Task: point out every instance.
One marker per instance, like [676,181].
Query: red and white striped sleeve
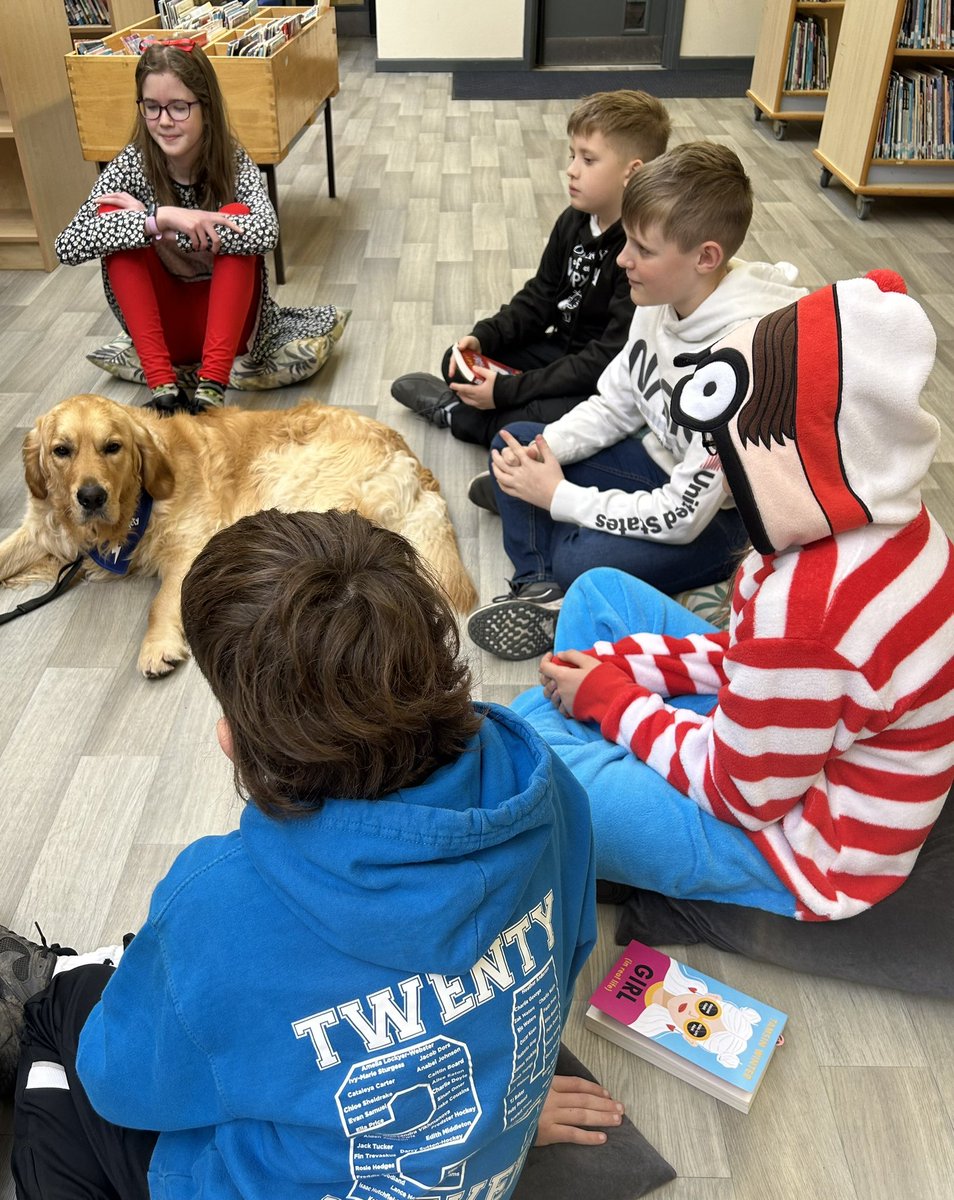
[669,666]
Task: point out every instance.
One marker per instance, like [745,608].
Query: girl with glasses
[182,222]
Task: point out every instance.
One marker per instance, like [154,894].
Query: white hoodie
[633,399]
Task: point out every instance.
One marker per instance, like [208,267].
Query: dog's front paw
[159,656]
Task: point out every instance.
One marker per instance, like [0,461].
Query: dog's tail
[427,526]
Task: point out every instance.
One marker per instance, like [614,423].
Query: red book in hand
[468,359]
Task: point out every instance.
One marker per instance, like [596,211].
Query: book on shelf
[927,25]
[808,68]
[87,12]
[700,1030]
[918,115]
[466,360]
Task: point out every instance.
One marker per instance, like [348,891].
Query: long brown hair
[333,654]
[215,165]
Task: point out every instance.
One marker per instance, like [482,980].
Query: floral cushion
[291,363]
[710,602]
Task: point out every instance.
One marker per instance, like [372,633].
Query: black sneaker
[425,395]
[166,404]
[25,967]
[519,625]
[480,491]
[208,397]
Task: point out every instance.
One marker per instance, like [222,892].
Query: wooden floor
[442,212]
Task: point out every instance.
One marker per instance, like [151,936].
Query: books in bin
[700,1030]
[468,359]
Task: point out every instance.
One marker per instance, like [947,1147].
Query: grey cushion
[905,942]
[624,1167]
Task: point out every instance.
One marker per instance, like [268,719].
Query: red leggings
[172,321]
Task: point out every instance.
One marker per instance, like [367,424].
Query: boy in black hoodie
[566,323]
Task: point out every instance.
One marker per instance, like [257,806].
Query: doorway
[602,32]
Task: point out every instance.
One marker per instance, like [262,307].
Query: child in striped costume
[797,762]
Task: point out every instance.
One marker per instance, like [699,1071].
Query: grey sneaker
[25,967]
[480,491]
[425,395]
[519,625]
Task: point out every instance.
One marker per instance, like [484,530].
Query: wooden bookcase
[43,178]
[121,14]
[868,51]
[767,90]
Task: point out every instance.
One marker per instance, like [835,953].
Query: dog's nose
[91,496]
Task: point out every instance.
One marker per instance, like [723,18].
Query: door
[601,32]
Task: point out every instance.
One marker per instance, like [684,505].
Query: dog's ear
[158,478]
[35,478]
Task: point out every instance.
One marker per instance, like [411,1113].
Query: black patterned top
[90,235]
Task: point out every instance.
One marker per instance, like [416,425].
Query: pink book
[700,1030]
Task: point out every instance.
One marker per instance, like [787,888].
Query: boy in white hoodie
[615,482]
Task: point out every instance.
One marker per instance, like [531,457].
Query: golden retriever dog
[89,460]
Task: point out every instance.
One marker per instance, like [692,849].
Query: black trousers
[480,426]
[62,1148]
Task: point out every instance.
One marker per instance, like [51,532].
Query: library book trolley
[868,53]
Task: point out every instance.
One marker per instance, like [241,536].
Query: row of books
[262,40]
[188,15]
[92,46]
[927,25]
[132,43]
[918,116]
[808,62]
[87,12]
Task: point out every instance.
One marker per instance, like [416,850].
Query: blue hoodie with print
[364,1003]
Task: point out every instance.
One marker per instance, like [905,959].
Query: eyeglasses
[178,110]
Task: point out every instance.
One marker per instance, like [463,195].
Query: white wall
[428,29]
[720,28]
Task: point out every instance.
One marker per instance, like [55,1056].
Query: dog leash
[117,561]
[67,574]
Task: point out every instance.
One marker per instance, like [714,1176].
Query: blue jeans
[646,833]
[543,549]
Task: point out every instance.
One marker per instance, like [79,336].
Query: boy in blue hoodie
[359,992]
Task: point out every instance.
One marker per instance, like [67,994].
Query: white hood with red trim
[814,411]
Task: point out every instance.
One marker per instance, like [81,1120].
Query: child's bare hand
[530,473]
[468,342]
[477,395]
[201,228]
[572,1106]
[561,677]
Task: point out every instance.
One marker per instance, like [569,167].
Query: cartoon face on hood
[814,411]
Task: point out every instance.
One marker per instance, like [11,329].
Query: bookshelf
[121,13]
[768,91]
[846,149]
[43,178]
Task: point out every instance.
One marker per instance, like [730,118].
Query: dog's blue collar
[117,560]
